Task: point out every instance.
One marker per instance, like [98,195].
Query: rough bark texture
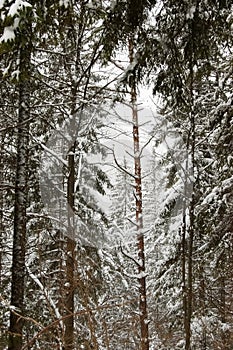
[139,219]
[19,239]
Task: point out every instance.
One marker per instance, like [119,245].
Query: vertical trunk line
[1,211]
[184,245]
[184,287]
[192,205]
[70,256]
[139,219]
[15,340]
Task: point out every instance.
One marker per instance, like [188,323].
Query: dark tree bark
[19,238]
[191,230]
[1,207]
[189,303]
[70,258]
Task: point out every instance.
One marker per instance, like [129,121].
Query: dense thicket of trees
[151,266]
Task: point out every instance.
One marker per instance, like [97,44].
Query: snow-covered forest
[116,175]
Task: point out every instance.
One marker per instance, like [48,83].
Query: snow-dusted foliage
[62,67]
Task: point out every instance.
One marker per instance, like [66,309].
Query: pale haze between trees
[116,175]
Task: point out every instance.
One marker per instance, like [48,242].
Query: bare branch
[129,257]
[120,167]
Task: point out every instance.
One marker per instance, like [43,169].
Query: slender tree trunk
[184,247]
[192,202]
[139,219]
[19,238]
[190,280]
[183,262]
[202,297]
[1,211]
[191,226]
[70,257]
[223,306]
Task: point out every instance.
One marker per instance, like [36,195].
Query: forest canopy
[116,213]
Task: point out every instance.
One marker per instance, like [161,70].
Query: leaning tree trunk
[19,238]
[139,219]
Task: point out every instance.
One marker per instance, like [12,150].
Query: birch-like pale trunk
[144,329]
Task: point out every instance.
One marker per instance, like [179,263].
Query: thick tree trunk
[19,238]
[139,219]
